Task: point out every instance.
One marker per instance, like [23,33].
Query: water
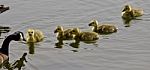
[128,49]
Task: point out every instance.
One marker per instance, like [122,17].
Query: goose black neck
[5,46]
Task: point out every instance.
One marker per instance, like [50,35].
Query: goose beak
[24,39]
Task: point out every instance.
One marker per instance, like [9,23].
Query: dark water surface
[128,49]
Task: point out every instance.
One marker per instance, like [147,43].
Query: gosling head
[18,36]
[58,29]
[126,8]
[75,31]
[93,23]
[30,32]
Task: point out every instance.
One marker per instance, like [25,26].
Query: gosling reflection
[127,22]
[59,44]
[75,44]
[31,47]
[21,62]
[4,29]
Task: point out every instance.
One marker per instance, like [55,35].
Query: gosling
[84,36]
[63,34]
[34,36]
[131,13]
[102,28]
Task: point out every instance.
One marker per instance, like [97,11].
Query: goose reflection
[20,63]
[17,64]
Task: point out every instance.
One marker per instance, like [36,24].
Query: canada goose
[84,36]
[3,9]
[130,13]
[4,50]
[63,34]
[34,35]
[102,28]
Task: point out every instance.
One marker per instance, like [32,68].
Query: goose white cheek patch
[21,37]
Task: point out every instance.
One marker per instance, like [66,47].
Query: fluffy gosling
[63,34]
[130,13]
[102,28]
[84,36]
[34,35]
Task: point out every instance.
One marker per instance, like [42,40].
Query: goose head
[58,29]
[93,23]
[18,36]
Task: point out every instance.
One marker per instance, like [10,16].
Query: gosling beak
[30,34]
[123,10]
[90,24]
[55,31]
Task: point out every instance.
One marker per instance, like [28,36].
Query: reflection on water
[127,22]
[75,44]
[4,29]
[59,45]
[17,64]
[20,63]
[31,47]
[3,9]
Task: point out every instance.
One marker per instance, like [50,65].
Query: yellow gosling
[63,34]
[84,36]
[34,35]
[102,28]
[129,12]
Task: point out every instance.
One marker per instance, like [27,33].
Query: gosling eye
[92,23]
[73,31]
